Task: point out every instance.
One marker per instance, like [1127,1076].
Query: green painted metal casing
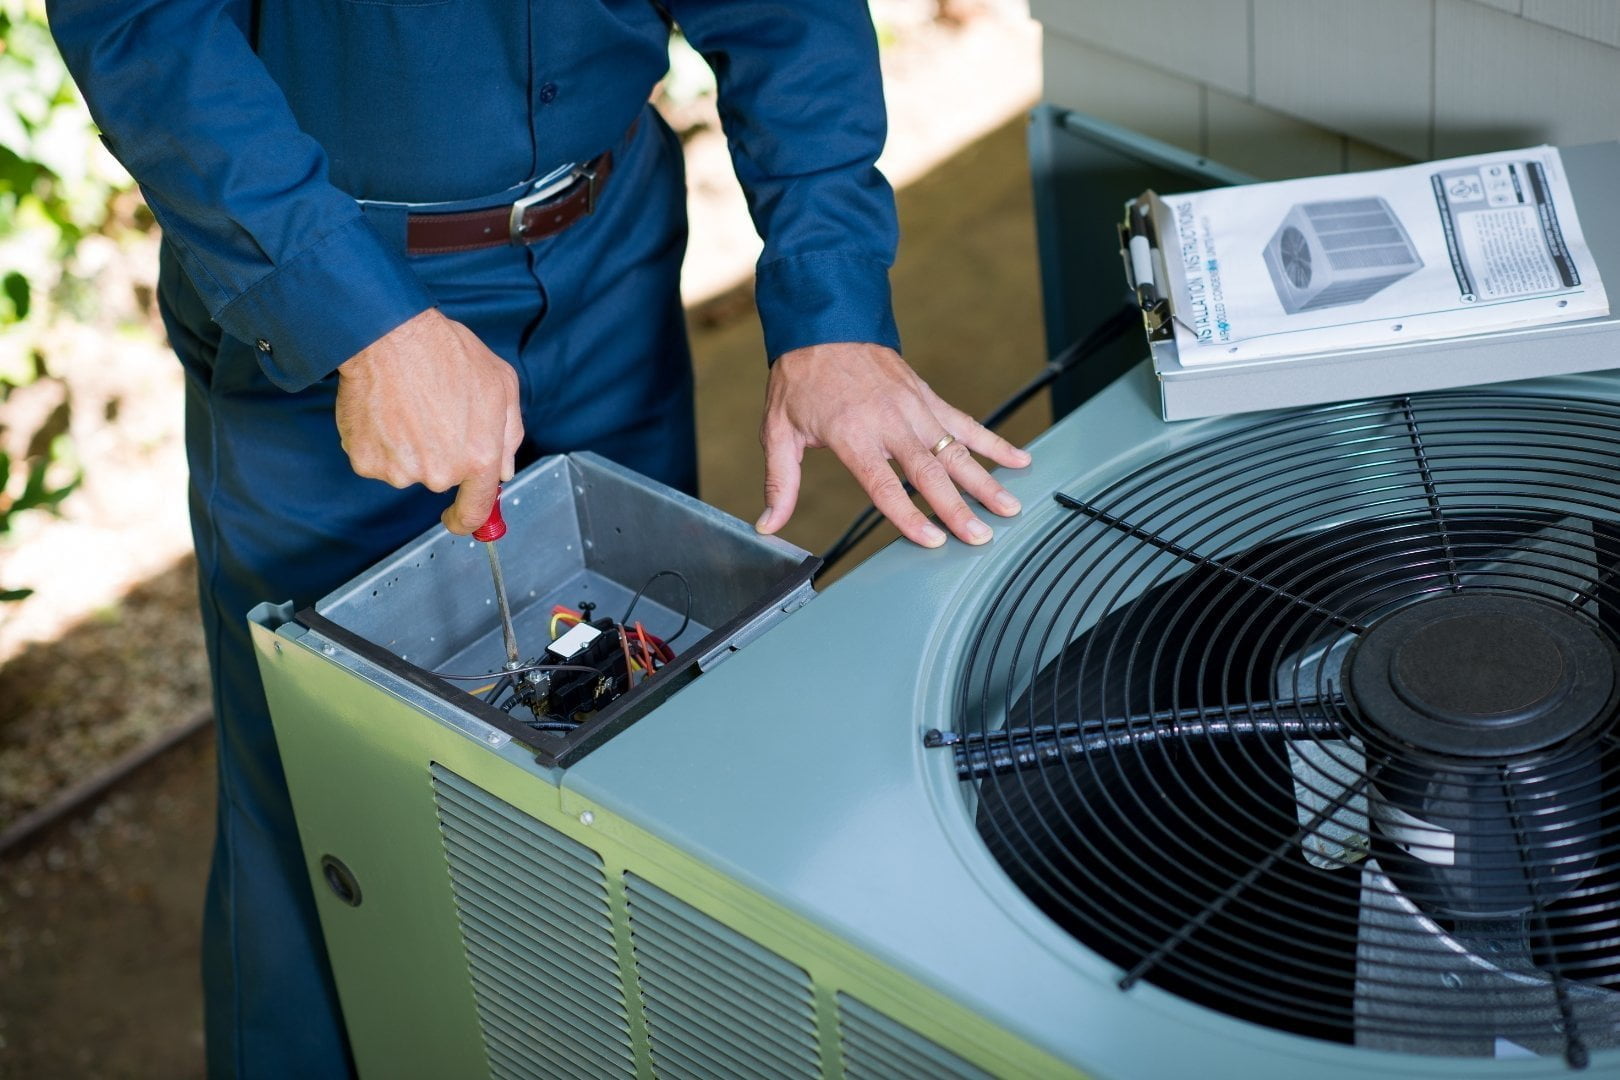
[768,875]
[787,797]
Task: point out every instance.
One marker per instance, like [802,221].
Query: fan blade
[1557,560]
[1326,772]
[1466,988]
[1326,775]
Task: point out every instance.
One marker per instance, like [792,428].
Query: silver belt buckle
[550,186]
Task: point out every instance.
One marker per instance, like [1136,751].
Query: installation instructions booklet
[1438,250]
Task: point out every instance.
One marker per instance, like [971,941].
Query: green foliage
[56,186]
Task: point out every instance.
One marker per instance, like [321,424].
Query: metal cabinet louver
[878,1048]
[717,1004]
[554,998]
[539,936]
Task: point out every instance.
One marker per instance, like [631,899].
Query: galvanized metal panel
[878,1048]
[535,919]
[717,1004]
[579,528]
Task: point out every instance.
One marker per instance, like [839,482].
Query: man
[414,241]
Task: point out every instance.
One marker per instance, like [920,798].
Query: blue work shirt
[252,128]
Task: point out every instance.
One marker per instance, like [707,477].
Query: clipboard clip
[1144,263]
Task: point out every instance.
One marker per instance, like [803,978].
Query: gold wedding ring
[942,444]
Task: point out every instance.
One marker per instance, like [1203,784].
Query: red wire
[665,653]
[646,650]
[650,645]
[629,673]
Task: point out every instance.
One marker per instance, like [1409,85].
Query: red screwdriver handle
[495,527]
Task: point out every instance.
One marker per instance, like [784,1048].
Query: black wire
[518,671]
[1105,334]
[858,530]
[539,723]
[686,615]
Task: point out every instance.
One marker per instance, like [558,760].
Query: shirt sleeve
[801,100]
[283,259]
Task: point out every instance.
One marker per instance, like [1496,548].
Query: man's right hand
[427,403]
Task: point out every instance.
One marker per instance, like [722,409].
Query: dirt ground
[98,916]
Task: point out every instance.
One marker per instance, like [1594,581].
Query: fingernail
[764,520]
[1023,458]
[978,531]
[932,535]
[1006,501]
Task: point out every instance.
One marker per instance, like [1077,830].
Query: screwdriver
[489,532]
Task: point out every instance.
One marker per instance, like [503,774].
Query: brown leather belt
[552,206]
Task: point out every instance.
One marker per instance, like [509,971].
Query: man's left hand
[865,404]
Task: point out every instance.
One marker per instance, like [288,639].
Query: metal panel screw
[276,645]
[1452,980]
[586,817]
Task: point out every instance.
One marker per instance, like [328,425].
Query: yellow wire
[555,619]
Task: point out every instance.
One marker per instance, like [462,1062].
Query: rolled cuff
[823,298]
[330,301]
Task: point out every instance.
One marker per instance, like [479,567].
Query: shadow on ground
[99,914]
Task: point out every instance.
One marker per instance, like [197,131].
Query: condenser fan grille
[1313,723]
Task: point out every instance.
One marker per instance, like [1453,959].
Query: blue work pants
[592,321]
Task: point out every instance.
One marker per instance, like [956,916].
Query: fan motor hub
[1481,675]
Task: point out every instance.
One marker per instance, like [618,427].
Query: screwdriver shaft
[507,633]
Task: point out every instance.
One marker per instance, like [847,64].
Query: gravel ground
[98,932]
[116,681]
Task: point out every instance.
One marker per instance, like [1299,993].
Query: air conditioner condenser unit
[1338,251]
[1272,746]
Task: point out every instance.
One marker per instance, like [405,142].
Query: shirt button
[548,93]
[263,346]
